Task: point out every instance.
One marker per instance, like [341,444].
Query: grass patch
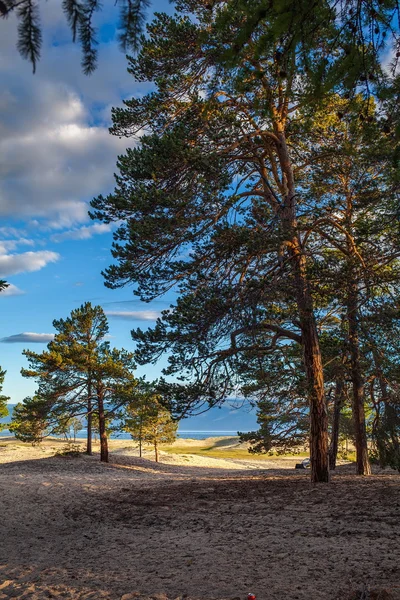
[234,453]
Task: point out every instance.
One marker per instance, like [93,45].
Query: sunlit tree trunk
[89,420]
[309,335]
[102,429]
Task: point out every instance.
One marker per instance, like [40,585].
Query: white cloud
[30,337]
[8,245]
[11,264]
[82,233]
[11,290]
[134,315]
[11,232]
[56,151]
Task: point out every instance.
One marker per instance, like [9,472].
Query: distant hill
[225,418]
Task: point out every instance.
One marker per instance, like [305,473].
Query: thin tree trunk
[102,429]
[89,420]
[337,406]
[156,449]
[389,413]
[363,466]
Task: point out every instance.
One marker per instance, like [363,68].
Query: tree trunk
[102,430]
[314,372]
[363,466]
[140,438]
[89,420]
[156,449]
[309,335]
[333,448]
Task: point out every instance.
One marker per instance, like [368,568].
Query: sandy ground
[192,527]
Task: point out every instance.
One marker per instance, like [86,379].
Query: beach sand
[192,527]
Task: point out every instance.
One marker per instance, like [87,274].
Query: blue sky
[55,155]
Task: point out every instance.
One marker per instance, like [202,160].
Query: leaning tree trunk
[337,407]
[102,429]
[309,335]
[89,420]
[363,466]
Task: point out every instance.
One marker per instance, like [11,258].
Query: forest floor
[192,527]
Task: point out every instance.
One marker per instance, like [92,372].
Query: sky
[56,154]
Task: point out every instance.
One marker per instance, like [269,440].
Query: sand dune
[191,527]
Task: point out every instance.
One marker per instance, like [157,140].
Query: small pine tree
[30,420]
[3,400]
[149,422]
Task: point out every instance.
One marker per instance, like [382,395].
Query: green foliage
[71,450]
[30,420]
[79,375]
[278,429]
[67,426]
[149,422]
[387,436]
[3,400]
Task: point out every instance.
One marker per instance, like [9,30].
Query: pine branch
[132,20]
[87,35]
[29,32]
[73,10]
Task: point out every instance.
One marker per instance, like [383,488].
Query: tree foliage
[228,197]
[360,31]
[79,375]
[30,420]
[149,422]
[3,400]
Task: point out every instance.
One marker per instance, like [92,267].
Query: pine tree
[149,422]
[215,181]
[3,400]
[30,420]
[80,375]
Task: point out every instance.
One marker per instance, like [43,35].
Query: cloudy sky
[55,155]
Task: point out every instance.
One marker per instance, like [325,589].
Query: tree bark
[89,421]
[140,437]
[309,334]
[102,429]
[337,406]
[314,373]
[363,466]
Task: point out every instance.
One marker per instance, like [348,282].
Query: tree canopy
[359,32]
[3,400]
[223,197]
[80,375]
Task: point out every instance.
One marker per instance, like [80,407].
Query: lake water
[194,435]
